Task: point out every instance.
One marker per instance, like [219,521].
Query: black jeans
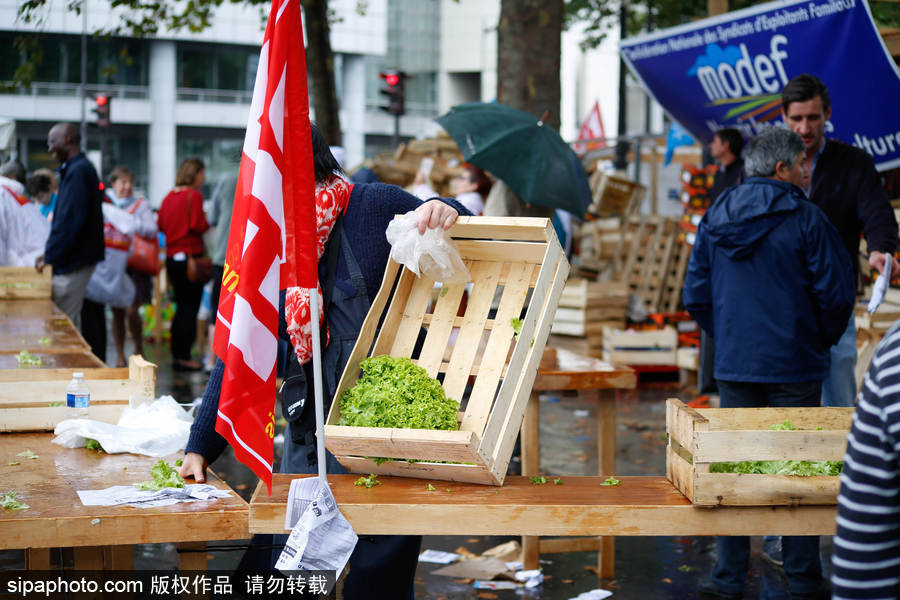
[801,553]
[187,303]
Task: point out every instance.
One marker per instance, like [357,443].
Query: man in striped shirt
[866,561]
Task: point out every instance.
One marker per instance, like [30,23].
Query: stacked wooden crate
[586,307]
[400,166]
[640,347]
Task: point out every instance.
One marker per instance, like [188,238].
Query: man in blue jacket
[75,245]
[770,280]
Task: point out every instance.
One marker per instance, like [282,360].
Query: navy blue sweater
[369,210]
[76,235]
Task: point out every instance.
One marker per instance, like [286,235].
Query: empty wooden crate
[35,399]
[700,437]
[516,265]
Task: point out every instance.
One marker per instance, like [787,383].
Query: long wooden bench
[581,506]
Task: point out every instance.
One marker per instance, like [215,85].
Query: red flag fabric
[271,243]
[591,128]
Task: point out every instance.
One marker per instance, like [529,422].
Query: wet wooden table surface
[640,506]
[37,326]
[597,382]
[56,517]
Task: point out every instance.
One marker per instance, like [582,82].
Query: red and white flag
[271,243]
[591,128]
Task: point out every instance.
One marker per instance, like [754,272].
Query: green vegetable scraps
[44,341]
[516,325]
[444,291]
[28,454]
[557,481]
[179,462]
[164,476]
[611,481]
[12,464]
[370,481]
[92,444]
[27,359]
[786,426]
[394,392]
[539,480]
[430,488]
[800,468]
[685,568]
[56,404]
[9,502]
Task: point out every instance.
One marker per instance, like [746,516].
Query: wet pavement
[646,567]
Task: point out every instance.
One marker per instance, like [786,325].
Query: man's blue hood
[744,215]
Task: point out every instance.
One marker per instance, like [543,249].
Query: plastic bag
[158,428]
[432,253]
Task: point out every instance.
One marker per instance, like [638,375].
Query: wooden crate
[34,399]
[521,255]
[647,347]
[699,437]
[24,283]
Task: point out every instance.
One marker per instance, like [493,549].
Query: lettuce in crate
[394,392]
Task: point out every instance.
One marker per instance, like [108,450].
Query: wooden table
[596,381]
[101,535]
[23,323]
[641,506]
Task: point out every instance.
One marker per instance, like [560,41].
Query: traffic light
[101,109]
[394,90]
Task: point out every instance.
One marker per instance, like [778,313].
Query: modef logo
[731,72]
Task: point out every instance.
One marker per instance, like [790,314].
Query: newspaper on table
[881,286]
[321,538]
[130,495]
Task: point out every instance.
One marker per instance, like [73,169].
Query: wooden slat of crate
[501,431]
[670,300]
[700,437]
[650,347]
[29,398]
[492,370]
[489,260]
[71,361]
[25,283]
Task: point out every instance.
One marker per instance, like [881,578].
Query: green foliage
[164,476]
[430,488]
[394,392]
[9,502]
[29,455]
[800,468]
[785,426]
[557,481]
[370,481]
[539,480]
[516,325]
[611,481]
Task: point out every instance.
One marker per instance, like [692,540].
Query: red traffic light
[392,78]
[102,100]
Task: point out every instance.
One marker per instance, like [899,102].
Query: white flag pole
[317,383]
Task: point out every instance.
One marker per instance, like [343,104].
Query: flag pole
[317,383]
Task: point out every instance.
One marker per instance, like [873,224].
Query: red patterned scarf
[331,200]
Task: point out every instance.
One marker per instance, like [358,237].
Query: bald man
[75,244]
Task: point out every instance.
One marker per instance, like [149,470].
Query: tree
[528,56]
[146,18]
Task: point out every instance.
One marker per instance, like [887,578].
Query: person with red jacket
[182,221]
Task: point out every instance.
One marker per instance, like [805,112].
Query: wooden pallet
[700,437]
[586,307]
[25,283]
[647,264]
[34,399]
[615,195]
[670,298]
[507,257]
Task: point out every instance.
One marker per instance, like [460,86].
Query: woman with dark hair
[351,220]
[182,220]
[470,187]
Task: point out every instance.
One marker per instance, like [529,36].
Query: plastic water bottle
[78,397]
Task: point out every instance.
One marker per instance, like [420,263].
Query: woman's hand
[434,214]
[193,465]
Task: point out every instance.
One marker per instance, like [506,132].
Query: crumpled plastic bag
[432,253]
[158,428]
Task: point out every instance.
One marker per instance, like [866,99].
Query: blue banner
[728,71]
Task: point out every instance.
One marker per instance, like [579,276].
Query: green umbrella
[518,148]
